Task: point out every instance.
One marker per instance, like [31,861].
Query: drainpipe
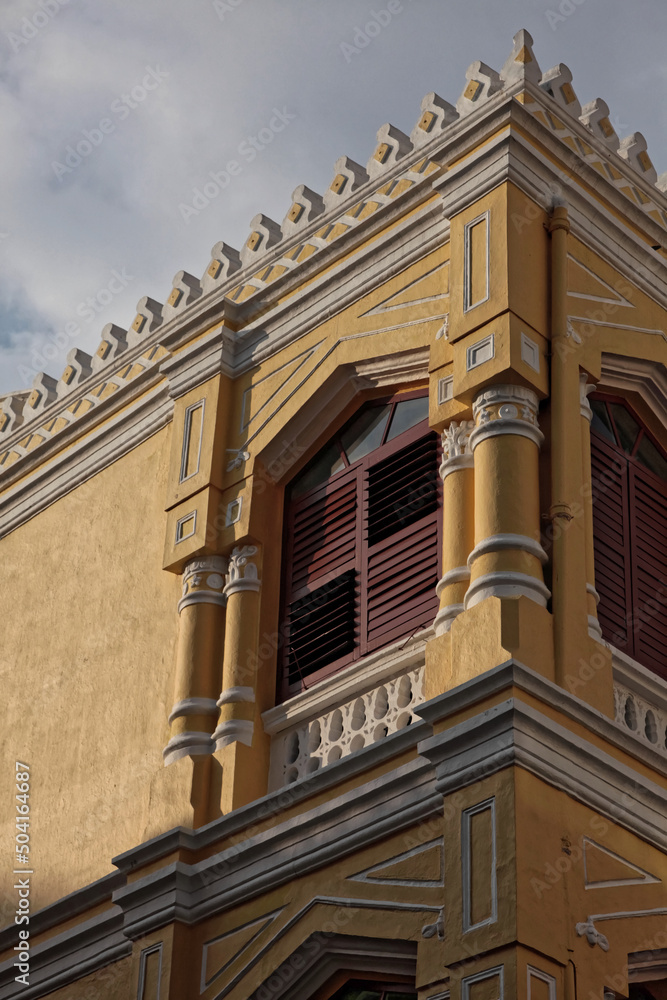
[569,598]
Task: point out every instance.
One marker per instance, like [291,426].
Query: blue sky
[157,94]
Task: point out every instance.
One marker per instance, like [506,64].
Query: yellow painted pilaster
[458,525]
[507,558]
[569,571]
[238,717]
[592,596]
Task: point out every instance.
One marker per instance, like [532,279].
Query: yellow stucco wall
[89,626]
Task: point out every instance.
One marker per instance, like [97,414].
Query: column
[507,558]
[236,701]
[458,523]
[198,659]
[592,596]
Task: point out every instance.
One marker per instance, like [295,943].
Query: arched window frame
[362,547]
[629,564]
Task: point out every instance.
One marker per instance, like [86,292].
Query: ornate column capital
[242,574]
[204,581]
[505,409]
[456,449]
[585,389]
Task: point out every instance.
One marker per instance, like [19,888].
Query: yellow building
[257,752]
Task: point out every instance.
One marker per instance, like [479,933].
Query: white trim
[460,574]
[193,706]
[231,516]
[234,731]
[645,877]
[360,677]
[152,950]
[467,261]
[234,695]
[191,743]
[187,431]
[533,973]
[445,617]
[505,541]
[487,974]
[445,389]
[191,515]
[466,867]
[530,353]
[476,354]
[506,584]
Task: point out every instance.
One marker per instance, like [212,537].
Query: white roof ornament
[633,149]
[595,116]
[11,411]
[265,233]
[186,289]
[348,176]
[436,115]
[225,261]
[306,206]
[147,320]
[43,392]
[522,64]
[557,82]
[113,343]
[79,367]
[392,146]
[483,83]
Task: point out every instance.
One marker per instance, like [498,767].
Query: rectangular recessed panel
[476,273]
[478,853]
[192,438]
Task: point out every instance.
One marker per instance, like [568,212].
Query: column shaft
[458,522]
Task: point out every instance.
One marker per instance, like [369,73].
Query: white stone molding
[508,541]
[456,448]
[639,708]
[542,977]
[234,731]
[204,582]
[460,574]
[236,694]
[505,409]
[478,977]
[467,847]
[355,708]
[445,616]
[242,574]
[193,706]
[585,389]
[346,728]
[188,744]
[506,584]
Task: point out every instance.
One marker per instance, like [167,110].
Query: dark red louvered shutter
[362,555]
[322,574]
[611,538]
[648,506]
[401,535]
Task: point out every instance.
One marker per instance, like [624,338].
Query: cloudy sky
[156,94]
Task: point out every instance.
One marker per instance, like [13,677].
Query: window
[629,471]
[358,990]
[362,541]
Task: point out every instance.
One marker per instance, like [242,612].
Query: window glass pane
[601,422]
[626,425]
[327,463]
[407,414]
[648,455]
[365,433]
